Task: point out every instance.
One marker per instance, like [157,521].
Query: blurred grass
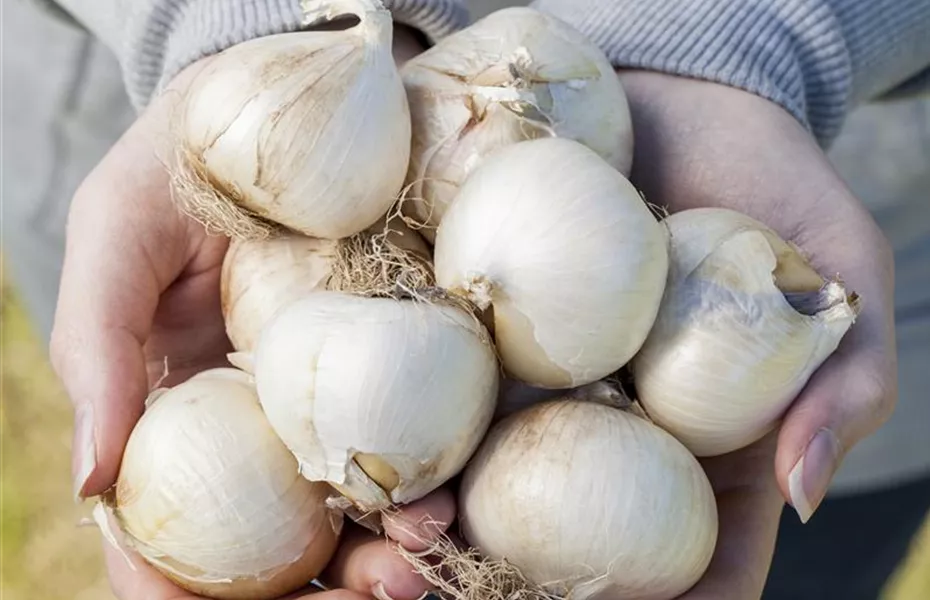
[46,555]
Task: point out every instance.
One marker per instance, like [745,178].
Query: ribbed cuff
[168,35]
[791,52]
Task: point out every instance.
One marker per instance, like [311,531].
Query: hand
[141,285]
[704,144]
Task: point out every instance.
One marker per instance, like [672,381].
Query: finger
[369,564]
[420,523]
[123,248]
[853,392]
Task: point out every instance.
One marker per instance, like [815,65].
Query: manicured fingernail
[85,448]
[811,476]
[377,590]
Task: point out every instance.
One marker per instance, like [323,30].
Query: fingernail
[85,448]
[811,476]
[377,590]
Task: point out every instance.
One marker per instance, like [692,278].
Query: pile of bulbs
[538,273]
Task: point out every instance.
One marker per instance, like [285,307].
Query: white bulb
[384,399]
[211,497]
[729,352]
[309,129]
[590,503]
[563,251]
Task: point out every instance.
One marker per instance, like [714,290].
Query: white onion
[562,249]
[384,399]
[729,351]
[211,497]
[308,129]
[591,503]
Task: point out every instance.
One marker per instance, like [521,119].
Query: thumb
[122,250]
[848,398]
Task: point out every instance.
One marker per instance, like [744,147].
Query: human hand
[704,144]
[140,286]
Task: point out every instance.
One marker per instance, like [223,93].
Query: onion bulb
[515,75]
[260,277]
[310,130]
[562,251]
[384,399]
[744,324]
[211,497]
[590,502]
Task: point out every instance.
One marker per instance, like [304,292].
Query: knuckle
[877,399]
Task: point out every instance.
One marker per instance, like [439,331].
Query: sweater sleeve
[816,58]
[154,39]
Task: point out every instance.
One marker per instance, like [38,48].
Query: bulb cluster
[373,363]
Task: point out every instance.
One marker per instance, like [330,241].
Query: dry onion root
[744,324]
[260,277]
[576,498]
[210,497]
[307,130]
[515,75]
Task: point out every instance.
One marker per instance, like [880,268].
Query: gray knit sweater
[816,58]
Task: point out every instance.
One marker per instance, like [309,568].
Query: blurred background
[63,105]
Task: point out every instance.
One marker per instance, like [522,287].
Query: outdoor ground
[45,554]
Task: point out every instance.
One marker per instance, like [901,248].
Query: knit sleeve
[816,58]
[154,39]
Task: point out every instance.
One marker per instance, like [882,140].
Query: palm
[188,333]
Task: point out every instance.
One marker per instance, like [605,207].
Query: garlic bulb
[208,494]
[308,129]
[564,252]
[261,276]
[384,399]
[744,324]
[590,502]
[515,75]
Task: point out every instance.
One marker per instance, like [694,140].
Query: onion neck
[375,21]
[805,290]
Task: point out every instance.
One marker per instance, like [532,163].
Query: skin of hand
[140,285]
[705,144]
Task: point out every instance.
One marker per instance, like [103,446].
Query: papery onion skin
[728,353]
[514,75]
[211,498]
[259,277]
[310,130]
[355,385]
[564,251]
[590,502]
